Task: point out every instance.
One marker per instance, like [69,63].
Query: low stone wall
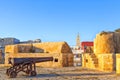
[105,62]
[60,60]
[118,63]
[102,62]
[89,61]
[60,51]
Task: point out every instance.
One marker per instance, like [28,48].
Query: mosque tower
[78,40]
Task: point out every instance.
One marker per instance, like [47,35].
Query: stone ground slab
[66,73]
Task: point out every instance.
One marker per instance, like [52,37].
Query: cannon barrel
[16,61]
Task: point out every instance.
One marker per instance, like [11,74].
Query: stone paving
[66,73]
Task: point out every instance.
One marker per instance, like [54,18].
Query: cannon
[26,65]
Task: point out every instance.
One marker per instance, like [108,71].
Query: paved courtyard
[66,73]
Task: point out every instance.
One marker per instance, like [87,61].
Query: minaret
[78,40]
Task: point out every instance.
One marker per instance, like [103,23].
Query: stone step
[96,65]
[94,62]
[94,59]
[93,55]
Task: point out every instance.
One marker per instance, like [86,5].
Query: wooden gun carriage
[26,65]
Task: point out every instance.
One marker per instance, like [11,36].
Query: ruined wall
[104,43]
[60,51]
[11,49]
[102,62]
[89,61]
[107,42]
[117,42]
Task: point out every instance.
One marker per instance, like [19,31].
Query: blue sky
[58,20]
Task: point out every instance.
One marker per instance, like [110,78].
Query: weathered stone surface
[102,62]
[106,62]
[107,42]
[53,47]
[60,51]
[118,63]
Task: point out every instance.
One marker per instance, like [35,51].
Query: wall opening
[56,60]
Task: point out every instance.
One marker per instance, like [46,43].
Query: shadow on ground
[76,74]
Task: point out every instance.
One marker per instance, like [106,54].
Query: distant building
[78,40]
[8,41]
[77,55]
[77,51]
[3,43]
[87,47]
[31,41]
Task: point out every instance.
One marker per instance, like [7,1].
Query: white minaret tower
[78,40]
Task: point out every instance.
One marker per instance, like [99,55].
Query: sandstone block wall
[89,60]
[106,62]
[106,49]
[107,42]
[60,51]
[53,47]
[118,63]
[102,62]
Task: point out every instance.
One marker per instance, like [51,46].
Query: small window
[87,60]
[55,60]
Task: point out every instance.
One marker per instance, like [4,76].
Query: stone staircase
[94,60]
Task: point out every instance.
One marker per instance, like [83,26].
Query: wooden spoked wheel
[13,74]
[32,73]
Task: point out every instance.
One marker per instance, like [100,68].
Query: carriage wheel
[28,71]
[7,72]
[32,73]
[13,74]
